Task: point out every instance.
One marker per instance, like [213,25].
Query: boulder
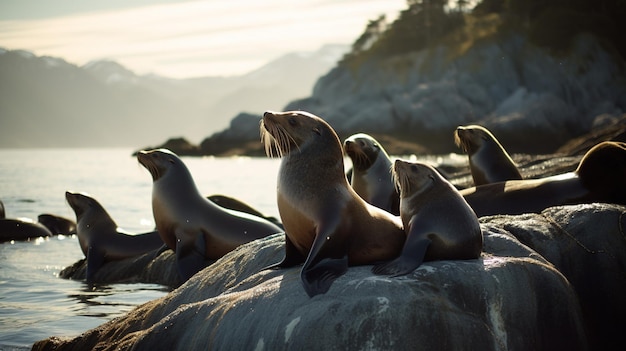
[153,267]
[525,292]
[586,243]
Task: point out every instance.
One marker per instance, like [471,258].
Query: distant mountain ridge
[48,102]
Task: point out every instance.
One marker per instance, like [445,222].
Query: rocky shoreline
[544,281]
[552,280]
[242,139]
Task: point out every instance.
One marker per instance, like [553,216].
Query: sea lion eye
[292,122]
[414,168]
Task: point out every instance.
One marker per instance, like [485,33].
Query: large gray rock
[587,245]
[512,298]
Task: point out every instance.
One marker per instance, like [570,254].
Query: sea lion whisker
[270,143]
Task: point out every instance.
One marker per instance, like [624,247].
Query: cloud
[197,38]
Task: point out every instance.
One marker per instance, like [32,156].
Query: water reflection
[110,301]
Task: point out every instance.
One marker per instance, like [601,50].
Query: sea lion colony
[330,223]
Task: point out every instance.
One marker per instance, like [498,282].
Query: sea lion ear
[317,131]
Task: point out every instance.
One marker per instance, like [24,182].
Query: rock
[513,297]
[612,129]
[179,146]
[242,137]
[587,245]
[505,83]
[152,267]
[21,229]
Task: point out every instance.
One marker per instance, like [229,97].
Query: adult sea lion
[328,226]
[600,177]
[100,238]
[371,172]
[194,227]
[439,223]
[489,162]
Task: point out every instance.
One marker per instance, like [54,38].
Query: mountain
[48,102]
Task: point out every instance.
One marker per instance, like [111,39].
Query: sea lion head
[603,171]
[413,177]
[470,138]
[363,150]
[157,161]
[82,202]
[292,130]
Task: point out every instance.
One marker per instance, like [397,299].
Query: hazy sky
[184,38]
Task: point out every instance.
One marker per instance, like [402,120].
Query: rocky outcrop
[154,267]
[505,84]
[179,146]
[544,281]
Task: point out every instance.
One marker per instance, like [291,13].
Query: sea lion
[2,213]
[371,172]
[439,223]
[328,226]
[238,205]
[194,227]
[100,238]
[57,224]
[599,177]
[489,162]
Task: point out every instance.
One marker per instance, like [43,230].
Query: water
[34,302]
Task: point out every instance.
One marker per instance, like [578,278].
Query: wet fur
[439,223]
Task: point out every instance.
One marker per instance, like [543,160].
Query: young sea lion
[439,223]
[328,226]
[100,238]
[371,172]
[194,227]
[489,162]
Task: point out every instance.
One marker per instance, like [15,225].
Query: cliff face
[532,100]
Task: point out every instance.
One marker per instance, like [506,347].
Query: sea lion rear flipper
[190,258]
[292,257]
[318,278]
[411,257]
[95,259]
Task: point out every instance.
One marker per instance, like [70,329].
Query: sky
[183,39]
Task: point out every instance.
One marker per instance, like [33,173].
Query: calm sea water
[34,302]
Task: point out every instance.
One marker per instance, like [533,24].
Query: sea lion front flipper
[190,257]
[411,257]
[327,261]
[318,278]
[292,257]
[95,260]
